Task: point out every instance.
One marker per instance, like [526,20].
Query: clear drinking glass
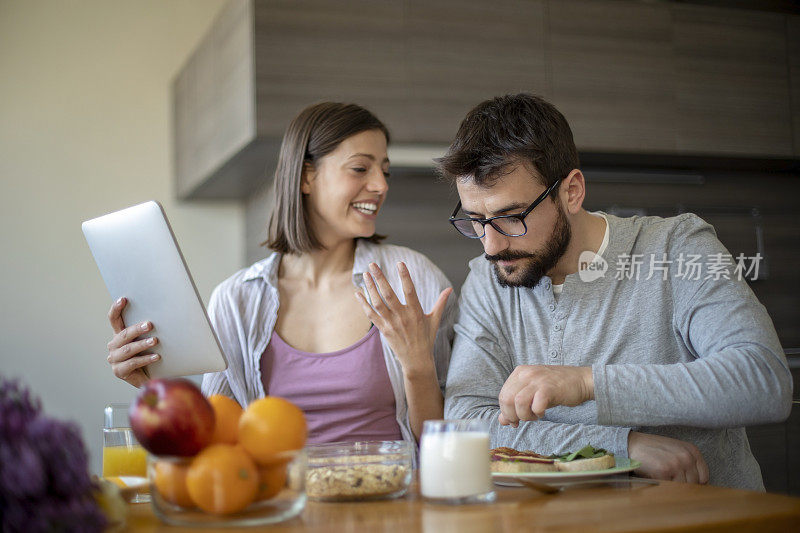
[455,466]
[124,459]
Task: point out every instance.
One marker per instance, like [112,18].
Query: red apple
[172,417]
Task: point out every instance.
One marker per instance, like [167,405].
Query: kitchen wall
[85,128]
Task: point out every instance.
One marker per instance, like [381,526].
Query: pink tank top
[346,395]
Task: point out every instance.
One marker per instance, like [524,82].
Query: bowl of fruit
[213,463]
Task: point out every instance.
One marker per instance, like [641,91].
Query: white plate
[128,482]
[623,465]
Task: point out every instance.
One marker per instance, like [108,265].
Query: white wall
[85,122]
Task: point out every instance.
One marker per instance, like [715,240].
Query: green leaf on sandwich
[587,452]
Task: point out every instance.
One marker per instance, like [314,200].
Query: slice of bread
[603,462]
[511,466]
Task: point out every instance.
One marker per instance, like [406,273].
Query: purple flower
[21,471]
[77,514]
[60,446]
[17,408]
[15,517]
[44,478]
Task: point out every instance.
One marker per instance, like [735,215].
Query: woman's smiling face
[345,189]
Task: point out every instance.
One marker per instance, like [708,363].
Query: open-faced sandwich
[509,460]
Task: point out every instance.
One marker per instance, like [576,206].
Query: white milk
[455,464]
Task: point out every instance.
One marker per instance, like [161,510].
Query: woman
[290,325]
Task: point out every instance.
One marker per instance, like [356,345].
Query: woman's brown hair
[313,134]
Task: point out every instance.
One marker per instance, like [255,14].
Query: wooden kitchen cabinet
[612,65]
[314,50]
[732,84]
[631,77]
[775,445]
[214,103]
[260,63]
[793,50]
[460,53]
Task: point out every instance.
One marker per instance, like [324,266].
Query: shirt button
[552,307]
[547,285]
[557,327]
[553,354]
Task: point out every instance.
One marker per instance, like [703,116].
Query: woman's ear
[309,174]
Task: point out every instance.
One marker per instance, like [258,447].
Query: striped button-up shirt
[244,308]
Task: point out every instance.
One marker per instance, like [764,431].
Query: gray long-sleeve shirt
[692,359]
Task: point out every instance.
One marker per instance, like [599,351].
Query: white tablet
[139,258]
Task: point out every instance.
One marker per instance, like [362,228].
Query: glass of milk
[454,462]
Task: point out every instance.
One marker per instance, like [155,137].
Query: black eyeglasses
[508,225]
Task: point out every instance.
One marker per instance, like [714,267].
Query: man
[656,365]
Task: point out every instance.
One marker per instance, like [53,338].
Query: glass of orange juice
[124,459]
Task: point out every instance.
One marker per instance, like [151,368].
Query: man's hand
[666,458]
[531,389]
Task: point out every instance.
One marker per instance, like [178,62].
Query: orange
[222,479]
[170,481]
[227,412]
[270,426]
[271,480]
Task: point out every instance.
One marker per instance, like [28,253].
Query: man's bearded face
[532,266]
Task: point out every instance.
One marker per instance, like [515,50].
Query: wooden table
[664,507]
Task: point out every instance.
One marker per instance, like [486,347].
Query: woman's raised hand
[125,353]
[408,330]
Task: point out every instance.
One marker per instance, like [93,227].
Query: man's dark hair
[511,129]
